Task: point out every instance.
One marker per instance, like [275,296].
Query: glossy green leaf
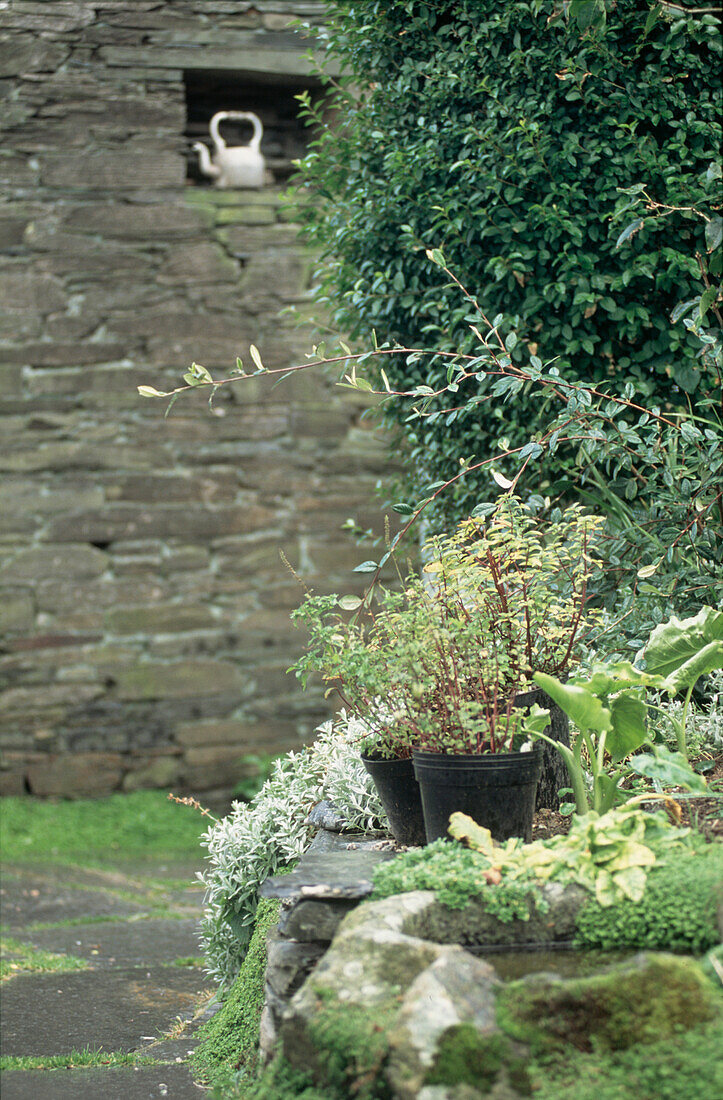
[713,233]
[670,769]
[675,642]
[585,710]
[629,730]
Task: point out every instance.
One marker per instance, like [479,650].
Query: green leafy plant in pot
[443,668]
[525,585]
[363,659]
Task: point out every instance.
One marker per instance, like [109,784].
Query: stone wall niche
[272,97]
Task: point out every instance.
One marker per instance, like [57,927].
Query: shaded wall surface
[144,610]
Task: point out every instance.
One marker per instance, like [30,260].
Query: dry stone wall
[144,610]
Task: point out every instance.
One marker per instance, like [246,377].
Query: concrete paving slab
[132,1083]
[114,1010]
[32,898]
[121,943]
[132,877]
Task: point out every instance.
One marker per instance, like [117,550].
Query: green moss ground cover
[229,1041]
[678,911]
[456,875]
[76,1059]
[686,1067]
[658,921]
[101,832]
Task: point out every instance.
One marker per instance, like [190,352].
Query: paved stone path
[143,990]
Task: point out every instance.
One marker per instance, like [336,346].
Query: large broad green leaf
[585,710]
[609,678]
[671,769]
[628,712]
[631,882]
[673,643]
[707,660]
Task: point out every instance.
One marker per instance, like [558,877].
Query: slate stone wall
[144,610]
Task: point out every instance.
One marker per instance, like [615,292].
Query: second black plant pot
[398,792]
[497,790]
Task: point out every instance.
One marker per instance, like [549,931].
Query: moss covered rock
[640,1001]
[369,1020]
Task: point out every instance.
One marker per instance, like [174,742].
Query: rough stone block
[25,53]
[11,380]
[69,562]
[288,963]
[159,619]
[18,170]
[211,776]
[246,215]
[126,522]
[111,170]
[83,775]
[314,921]
[162,488]
[203,262]
[22,289]
[182,679]
[12,784]
[40,697]
[213,754]
[11,230]
[247,736]
[136,222]
[161,772]
[17,612]
[51,353]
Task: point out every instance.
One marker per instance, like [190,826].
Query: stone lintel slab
[328,876]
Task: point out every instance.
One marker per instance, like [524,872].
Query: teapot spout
[205,163]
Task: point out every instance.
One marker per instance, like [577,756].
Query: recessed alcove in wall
[271,96]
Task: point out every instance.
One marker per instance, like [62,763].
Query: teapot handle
[249,116]
[258,129]
[215,135]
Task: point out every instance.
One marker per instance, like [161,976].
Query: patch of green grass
[27,959]
[686,1067]
[76,1059]
[135,826]
[190,960]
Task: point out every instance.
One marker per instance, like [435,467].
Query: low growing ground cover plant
[229,1042]
[260,838]
[633,865]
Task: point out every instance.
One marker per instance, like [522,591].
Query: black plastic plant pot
[398,792]
[497,790]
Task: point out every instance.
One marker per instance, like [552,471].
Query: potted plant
[527,583]
[362,659]
[443,669]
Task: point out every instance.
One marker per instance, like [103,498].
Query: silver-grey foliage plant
[267,834]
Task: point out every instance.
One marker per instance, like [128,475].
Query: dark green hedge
[501,133]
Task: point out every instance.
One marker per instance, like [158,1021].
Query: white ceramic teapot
[239,165]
